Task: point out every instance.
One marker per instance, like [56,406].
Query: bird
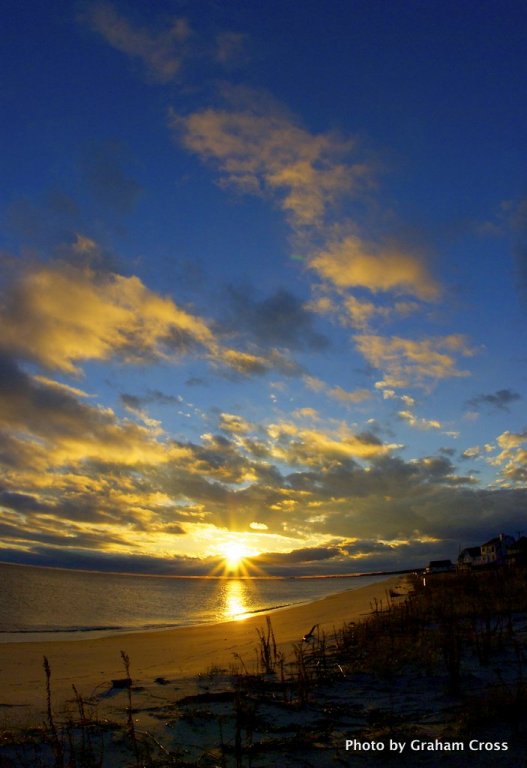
[310,635]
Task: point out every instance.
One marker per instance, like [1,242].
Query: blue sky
[263,283]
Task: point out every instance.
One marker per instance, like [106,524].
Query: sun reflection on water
[237,600]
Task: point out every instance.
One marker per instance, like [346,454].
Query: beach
[428,673]
[176,655]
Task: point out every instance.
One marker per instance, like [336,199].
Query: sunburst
[234,553]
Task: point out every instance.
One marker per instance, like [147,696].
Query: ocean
[52,604]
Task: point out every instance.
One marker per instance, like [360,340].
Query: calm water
[38,603]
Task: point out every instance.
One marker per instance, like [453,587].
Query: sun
[234,557]
[234,554]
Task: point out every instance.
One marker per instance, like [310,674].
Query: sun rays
[234,553]
[235,558]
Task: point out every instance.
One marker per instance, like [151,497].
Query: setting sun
[234,553]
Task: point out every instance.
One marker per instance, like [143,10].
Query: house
[469,558]
[501,550]
[494,552]
[517,553]
[439,566]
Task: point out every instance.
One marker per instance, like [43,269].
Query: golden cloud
[512,456]
[315,447]
[230,422]
[306,413]
[59,314]
[63,430]
[242,362]
[258,526]
[337,392]
[260,152]
[509,441]
[352,263]
[419,422]
[313,383]
[361,313]
[409,362]
[60,386]
[346,396]
[251,364]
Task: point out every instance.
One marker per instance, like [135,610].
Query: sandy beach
[176,655]
[425,679]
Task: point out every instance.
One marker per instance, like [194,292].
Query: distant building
[440,566]
[469,558]
[494,552]
[501,550]
[517,553]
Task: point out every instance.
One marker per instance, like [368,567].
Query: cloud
[218,459]
[254,364]
[61,387]
[418,422]
[310,447]
[408,362]
[361,313]
[390,394]
[161,52]
[308,413]
[346,396]
[134,402]
[512,456]
[303,555]
[66,312]
[316,385]
[471,453]
[354,263]
[75,474]
[62,430]
[258,526]
[22,502]
[511,440]
[390,498]
[350,397]
[500,400]
[258,149]
[107,562]
[234,424]
[280,320]
[60,314]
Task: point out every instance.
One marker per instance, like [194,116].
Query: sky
[263,283]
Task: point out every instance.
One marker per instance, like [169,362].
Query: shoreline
[237,577]
[175,655]
[95,632]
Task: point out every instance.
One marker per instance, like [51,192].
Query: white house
[469,558]
[494,552]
